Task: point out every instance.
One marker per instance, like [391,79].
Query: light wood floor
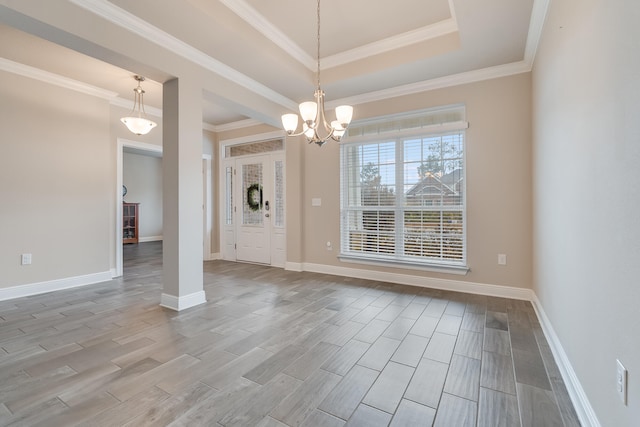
[274,348]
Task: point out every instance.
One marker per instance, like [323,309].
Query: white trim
[121,143]
[140,27]
[240,124]
[213,256]
[536,25]
[149,239]
[128,104]
[423,282]
[438,83]
[271,32]
[251,138]
[403,133]
[398,41]
[460,270]
[293,266]
[581,403]
[182,303]
[261,24]
[53,285]
[207,204]
[55,79]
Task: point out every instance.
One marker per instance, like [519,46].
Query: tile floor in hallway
[274,348]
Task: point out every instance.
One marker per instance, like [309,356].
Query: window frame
[401,260]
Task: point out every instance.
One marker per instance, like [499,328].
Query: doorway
[253,211]
[156,150]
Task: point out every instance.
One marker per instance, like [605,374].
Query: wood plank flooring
[274,348]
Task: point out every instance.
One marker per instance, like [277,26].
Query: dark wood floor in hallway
[274,348]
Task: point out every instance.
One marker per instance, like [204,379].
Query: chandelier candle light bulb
[312,112]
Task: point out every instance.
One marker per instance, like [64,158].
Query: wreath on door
[254,197]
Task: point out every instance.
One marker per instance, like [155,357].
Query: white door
[253,209]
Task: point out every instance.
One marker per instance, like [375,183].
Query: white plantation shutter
[403,198]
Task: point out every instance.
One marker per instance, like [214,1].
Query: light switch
[316,201]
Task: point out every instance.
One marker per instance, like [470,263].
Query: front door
[254,216]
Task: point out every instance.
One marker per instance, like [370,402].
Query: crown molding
[240,124]
[128,104]
[55,79]
[270,31]
[132,23]
[438,83]
[536,25]
[391,43]
[140,27]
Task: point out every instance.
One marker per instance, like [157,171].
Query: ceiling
[269,46]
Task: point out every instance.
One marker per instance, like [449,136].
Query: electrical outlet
[329,246]
[621,381]
[25,259]
[502,259]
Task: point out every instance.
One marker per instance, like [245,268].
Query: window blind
[403,199]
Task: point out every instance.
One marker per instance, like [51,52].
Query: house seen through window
[403,198]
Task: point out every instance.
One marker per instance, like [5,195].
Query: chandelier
[314,123]
[137,123]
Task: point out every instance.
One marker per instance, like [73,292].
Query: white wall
[142,175]
[586,158]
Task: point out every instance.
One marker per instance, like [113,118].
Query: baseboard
[182,303]
[293,266]
[213,256]
[424,282]
[583,408]
[53,285]
[149,239]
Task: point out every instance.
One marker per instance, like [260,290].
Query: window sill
[411,265]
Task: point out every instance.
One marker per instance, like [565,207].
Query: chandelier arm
[313,127]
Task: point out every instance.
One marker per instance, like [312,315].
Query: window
[403,201]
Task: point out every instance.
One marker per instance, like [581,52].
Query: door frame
[123,143]
[223,163]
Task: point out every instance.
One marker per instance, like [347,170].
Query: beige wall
[55,182]
[142,175]
[498,190]
[586,152]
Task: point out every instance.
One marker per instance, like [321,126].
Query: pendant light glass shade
[138,125]
[137,122]
[314,122]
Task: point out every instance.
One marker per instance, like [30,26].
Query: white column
[182,195]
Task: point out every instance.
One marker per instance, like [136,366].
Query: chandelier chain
[314,119]
[318,46]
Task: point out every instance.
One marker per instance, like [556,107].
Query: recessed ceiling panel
[347,25]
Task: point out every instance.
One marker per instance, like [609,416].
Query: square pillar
[182,195]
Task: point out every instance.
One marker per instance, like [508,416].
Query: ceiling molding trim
[132,23]
[452,11]
[240,124]
[391,43]
[253,138]
[55,79]
[209,127]
[438,83]
[536,25]
[128,104]
[270,31]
